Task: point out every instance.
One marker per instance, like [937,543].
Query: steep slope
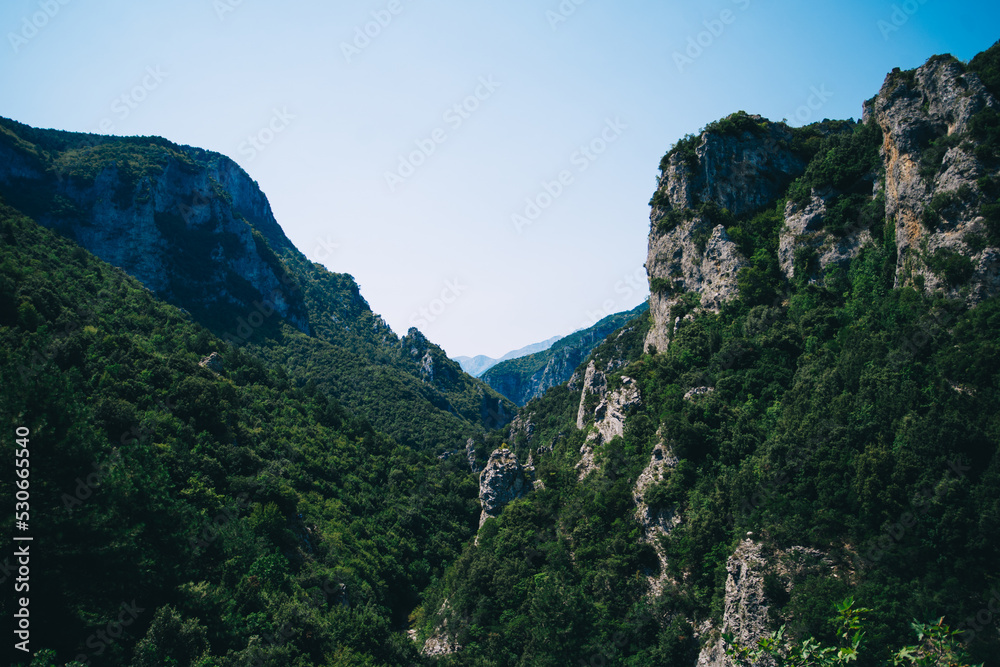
[530,376]
[801,418]
[196,230]
[234,518]
[925,158]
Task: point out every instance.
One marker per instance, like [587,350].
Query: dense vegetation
[249,516]
[847,417]
[287,508]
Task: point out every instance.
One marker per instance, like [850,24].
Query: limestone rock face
[655,522]
[184,228]
[803,229]
[746,606]
[609,421]
[746,602]
[594,383]
[738,171]
[936,208]
[212,362]
[501,482]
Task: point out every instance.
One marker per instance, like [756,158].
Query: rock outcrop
[803,229]
[502,481]
[737,166]
[655,521]
[212,362]
[931,182]
[609,421]
[191,225]
[594,384]
[746,613]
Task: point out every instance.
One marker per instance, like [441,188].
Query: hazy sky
[397,139]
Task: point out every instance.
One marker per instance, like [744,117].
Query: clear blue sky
[330,122]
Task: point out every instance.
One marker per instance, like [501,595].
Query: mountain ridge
[479,364]
[196,229]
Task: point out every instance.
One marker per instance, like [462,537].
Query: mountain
[229,460]
[529,376]
[195,502]
[804,418]
[197,231]
[476,366]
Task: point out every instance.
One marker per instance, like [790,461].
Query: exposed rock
[439,645]
[746,604]
[501,482]
[470,455]
[609,422]
[609,416]
[676,257]
[594,382]
[698,391]
[659,522]
[441,642]
[914,108]
[803,228]
[738,171]
[184,233]
[212,362]
[521,429]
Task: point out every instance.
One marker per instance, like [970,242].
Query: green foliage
[951,266]
[517,378]
[939,645]
[228,508]
[737,123]
[846,162]
[987,66]
[933,154]
[327,332]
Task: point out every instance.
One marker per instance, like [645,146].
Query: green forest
[293,504]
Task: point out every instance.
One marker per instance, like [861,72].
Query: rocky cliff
[502,481]
[930,189]
[734,167]
[936,181]
[192,226]
[197,231]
